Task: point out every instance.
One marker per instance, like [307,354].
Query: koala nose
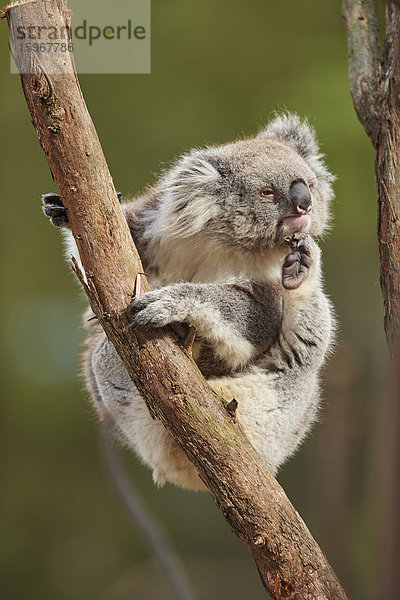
[301,197]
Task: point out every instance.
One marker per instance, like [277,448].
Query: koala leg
[275,410]
[117,395]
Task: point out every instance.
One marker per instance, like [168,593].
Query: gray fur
[236,336]
[213,237]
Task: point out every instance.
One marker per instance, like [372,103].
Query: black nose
[301,197]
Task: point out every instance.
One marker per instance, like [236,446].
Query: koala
[227,240]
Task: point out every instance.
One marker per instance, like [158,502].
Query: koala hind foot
[297,264]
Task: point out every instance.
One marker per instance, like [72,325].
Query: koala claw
[55,210]
[155,308]
[297,264]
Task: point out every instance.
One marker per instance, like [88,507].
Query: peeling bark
[290,563]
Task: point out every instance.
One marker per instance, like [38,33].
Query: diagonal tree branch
[289,561]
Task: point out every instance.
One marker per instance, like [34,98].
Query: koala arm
[238,320]
[307,316]
[278,394]
[53,207]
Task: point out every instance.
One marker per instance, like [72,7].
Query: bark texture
[374,74]
[289,561]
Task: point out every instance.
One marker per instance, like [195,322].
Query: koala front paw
[297,264]
[54,209]
[158,308]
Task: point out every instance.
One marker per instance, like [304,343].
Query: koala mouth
[296,222]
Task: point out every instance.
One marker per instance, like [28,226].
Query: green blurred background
[218,71]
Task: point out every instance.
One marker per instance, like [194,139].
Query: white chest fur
[190,260]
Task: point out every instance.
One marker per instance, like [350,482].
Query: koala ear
[188,199]
[298,134]
[195,169]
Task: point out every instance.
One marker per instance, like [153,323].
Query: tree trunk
[375,86]
[289,561]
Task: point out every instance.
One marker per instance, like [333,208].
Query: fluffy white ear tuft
[194,169]
[297,133]
[188,202]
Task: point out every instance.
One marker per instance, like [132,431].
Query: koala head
[251,193]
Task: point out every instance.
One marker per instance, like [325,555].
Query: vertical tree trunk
[388,180]
[375,86]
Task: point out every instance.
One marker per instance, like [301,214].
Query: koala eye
[311,185]
[267,193]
